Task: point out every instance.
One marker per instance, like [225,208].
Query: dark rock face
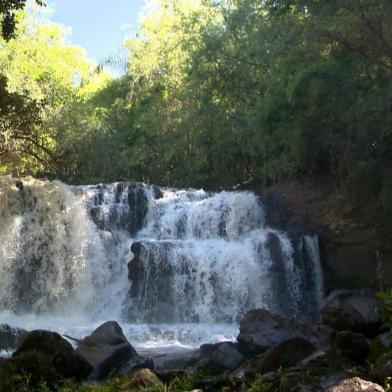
[150,261]
[352,345]
[176,360]
[261,330]
[354,242]
[58,353]
[220,356]
[107,349]
[42,341]
[128,210]
[279,215]
[10,336]
[353,310]
[284,355]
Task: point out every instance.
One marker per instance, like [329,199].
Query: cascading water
[199,261]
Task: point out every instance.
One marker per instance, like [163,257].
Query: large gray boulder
[353,310]
[107,350]
[286,354]
[220,356]
[261,330]
[55,351]
[176,360]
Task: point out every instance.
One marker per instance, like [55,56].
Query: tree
[8,10]
[51,76]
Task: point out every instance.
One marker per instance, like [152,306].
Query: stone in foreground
[355,384]
[56,352]
[142,379]
[353,310]
[261,330]
[107,350]
[286,354]
[220,356]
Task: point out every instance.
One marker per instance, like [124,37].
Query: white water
[206,259]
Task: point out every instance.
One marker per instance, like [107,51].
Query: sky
[99,26]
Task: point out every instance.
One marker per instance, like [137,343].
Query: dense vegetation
[215,93]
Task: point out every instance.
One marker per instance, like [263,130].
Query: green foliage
[388,384]
[216,93]
[42,77]
[258,385]
[179,384]
[386,298]
[8,9]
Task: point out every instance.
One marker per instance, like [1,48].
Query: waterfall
[144,254]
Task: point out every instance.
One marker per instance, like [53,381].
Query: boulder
[10,336]
[355,384]
[177,360]
[353,310]
[141,379]
[352,345]
[135,362]
[220,356]
[46,342]
[261,330]
[57,351]
[287,354]
[107,350]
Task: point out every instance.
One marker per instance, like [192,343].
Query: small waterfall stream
[198,262]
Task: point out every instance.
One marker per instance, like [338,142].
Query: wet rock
[55,351]
[135,362]
[220,356]
[151,266]
[128,210]
[10,336]
[138,206]
[355,384]
[352,345]
[261,330]
[353,310]
[284,355]
[46,342]
[178,361]
[135,269]
[107,350]
[143,378]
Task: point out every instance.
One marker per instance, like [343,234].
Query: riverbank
[270,353]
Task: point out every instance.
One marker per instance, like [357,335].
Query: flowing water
[198,262]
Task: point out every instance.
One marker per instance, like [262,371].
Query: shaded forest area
[215,93]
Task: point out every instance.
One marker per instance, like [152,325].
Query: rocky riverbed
[348,351]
